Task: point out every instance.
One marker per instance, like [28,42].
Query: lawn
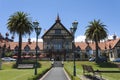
[8,73]
[104,66]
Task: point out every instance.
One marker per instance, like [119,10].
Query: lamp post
[73,30]
[37,30]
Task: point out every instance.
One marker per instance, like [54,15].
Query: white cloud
[80,38]
[111,36]
[32,40]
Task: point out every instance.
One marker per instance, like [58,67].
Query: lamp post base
[74,72]
[35,70]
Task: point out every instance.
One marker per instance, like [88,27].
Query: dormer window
[27,48]
[57,31]
[16,49]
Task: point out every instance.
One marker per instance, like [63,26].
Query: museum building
[58,44]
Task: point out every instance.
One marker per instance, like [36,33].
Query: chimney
[29,40]
[114,37]
[86,41]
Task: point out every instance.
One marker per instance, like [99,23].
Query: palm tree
[19,23]
[96,31]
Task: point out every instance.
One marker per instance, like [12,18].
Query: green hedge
[71,76]
[39,75]
[28,62]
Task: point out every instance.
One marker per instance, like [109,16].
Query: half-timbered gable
[57,40]
[114,46]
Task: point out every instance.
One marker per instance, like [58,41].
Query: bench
[89,69]
[25,66]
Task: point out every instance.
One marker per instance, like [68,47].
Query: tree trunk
[96,45]
[19,60]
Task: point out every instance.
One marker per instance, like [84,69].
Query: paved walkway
[56,73]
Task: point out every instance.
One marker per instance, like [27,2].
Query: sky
[45,12]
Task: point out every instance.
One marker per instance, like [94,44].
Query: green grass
[8,73]
[103,66]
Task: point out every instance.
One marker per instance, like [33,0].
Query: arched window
[16,48]
[89,52]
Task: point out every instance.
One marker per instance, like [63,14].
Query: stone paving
[56,73]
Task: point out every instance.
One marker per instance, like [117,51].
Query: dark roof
[57,21]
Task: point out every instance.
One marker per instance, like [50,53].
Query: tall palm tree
[96,31]
[19,23]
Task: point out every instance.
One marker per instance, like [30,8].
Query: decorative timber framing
[57,41]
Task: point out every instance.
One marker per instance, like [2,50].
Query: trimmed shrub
[39,75]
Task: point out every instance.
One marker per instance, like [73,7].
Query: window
[67,45]
[16,49]
[27,48]
[118,52]
[57,44]
[86,56]
[111,55]
[57,31]
[88,49]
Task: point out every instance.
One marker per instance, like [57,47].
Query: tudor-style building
[4,44]
[57,41]
[57,44]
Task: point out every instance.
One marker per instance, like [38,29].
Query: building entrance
[57,40]
[58,58]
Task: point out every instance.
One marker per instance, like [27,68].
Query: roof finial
[58,19]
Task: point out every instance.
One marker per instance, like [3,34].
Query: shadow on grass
[90,77]
[107,65]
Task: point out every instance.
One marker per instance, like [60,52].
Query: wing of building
[58,44]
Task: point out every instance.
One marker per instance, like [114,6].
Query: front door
[58,58]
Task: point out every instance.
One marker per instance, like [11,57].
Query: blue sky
[45,12]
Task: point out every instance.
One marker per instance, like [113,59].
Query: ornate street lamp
[37,30]
[73,30]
